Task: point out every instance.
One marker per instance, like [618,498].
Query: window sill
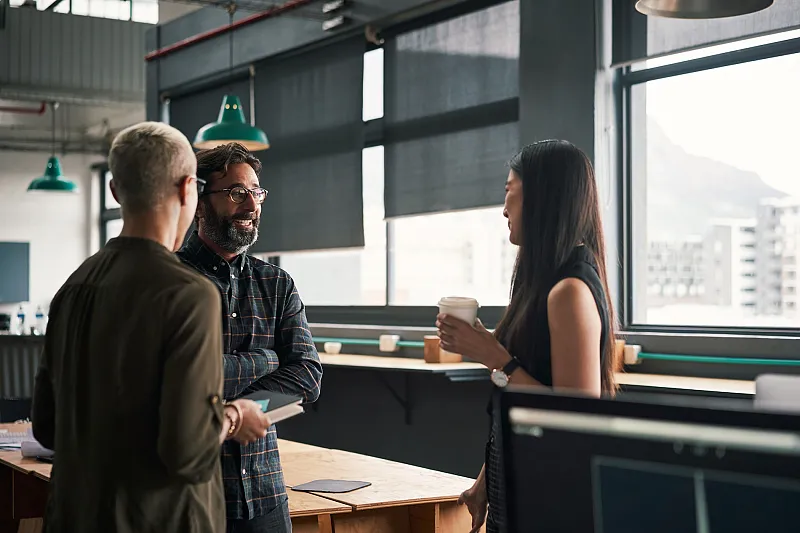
[468,371]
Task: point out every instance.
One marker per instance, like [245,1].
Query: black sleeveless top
[536,362]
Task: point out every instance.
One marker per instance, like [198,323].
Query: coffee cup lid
[458,301]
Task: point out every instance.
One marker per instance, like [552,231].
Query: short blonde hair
[146,161]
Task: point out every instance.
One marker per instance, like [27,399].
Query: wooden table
[401,499]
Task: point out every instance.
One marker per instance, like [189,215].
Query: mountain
[685,192]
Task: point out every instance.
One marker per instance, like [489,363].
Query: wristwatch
[501,376]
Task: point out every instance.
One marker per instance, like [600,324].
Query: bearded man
[267,343]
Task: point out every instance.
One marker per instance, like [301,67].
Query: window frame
[106,214]
[737,342]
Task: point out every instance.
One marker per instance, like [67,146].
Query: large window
[110,212]
[136,10]
[113,228]
[715,213]
[109,201]
[349,277]
[430,253]
[373,85]
[464,253]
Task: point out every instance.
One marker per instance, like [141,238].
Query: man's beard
[227,235]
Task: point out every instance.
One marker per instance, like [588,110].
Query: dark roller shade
[638,36]
[192,111]
[448,172]
[310,105]
[451,112]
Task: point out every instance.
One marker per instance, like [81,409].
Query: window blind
[310,106]
[451,112]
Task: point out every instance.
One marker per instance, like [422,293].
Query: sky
[745,115]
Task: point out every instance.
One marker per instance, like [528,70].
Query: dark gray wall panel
[15,268]
[557,66]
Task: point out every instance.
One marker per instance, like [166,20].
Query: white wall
[62,229]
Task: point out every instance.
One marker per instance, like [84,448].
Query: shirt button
[215,268]
[233,315]
[244,472]
[234,352]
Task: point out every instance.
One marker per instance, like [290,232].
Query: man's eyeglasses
[239,194]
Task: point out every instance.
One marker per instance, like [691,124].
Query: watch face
[499,378]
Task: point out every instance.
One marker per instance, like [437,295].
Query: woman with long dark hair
[558,329]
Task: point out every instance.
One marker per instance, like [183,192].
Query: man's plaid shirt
[267,346]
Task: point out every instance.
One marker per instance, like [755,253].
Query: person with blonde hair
[129,389]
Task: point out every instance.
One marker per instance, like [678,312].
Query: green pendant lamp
[53,180]
[231,125]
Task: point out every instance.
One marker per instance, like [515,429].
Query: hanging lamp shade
[231,126]
[52,180]
[700,9]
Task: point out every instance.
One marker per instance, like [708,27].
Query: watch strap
[511,366]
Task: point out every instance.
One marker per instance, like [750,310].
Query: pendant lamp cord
[231,11]
[53,132]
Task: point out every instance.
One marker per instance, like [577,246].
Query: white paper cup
[332,348]
[460,307]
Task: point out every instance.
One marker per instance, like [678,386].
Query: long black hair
[560,211]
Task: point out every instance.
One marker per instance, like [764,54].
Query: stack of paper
[10,440]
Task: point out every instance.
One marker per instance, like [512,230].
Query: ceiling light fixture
[700,9]
[231,125]
[53,180]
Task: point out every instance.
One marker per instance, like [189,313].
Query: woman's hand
[474,342]
[475,500]
[254,422]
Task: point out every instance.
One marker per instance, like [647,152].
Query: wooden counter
[655,382]
[453,371]
[469,371]
[401,499]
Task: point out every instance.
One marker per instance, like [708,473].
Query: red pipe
[200,37]
[25,110]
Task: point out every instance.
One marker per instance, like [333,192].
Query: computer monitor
[647,464]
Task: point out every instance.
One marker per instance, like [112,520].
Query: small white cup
[460,307]
[332,347]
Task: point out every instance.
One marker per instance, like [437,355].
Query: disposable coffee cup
[460,307]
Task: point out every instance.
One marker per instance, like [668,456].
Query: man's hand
[253,424]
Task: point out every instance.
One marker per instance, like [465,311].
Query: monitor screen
[655,468]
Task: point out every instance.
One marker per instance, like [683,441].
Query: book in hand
[278,406]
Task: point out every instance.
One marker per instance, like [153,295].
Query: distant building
[730,264]
[718,269]
[675,272]
[778,236]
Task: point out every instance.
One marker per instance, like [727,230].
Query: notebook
[278,406]
[331,486]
